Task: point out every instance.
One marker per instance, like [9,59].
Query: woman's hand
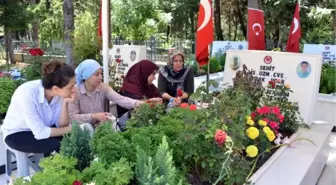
[71,98]
[139,103]
[178,101]
[156,100]
[100,116]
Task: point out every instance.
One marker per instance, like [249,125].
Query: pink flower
[274,125]
[77,182]
[184,105]
[281,117]
[275,110]
[220,137]
[192,107]
[253,115]
[264,110]
[266,119]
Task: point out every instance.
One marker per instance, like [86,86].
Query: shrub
[7,88]
[328,81]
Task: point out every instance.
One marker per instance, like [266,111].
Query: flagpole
[209,49]
[105,39]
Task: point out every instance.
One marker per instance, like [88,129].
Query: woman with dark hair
[138,84]
[38,112]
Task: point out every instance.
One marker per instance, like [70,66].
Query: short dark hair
[304,62]
[56,73]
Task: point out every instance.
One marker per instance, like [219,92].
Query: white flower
[96,159]
[92,183]
[151,122]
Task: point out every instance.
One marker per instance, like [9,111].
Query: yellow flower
[250,122]
[266,129]
[262,123]
[248,118]
[269,133]
[252,132]
[287,86]
[252,151]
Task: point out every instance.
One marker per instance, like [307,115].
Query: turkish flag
[293,43]
[100,20]
[204,35]
[255,29]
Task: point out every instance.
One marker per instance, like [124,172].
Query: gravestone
[223,46]
[300,71]
[328,52]
[123,57]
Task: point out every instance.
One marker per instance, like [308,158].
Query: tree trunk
[9,47]
[229,34]
[192,26]
[68,13]
[35,28]
[218,27]
[235,29]
[241,19]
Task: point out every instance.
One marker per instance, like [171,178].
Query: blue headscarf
[85,69]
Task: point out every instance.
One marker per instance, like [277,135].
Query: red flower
[281,118]
[274,125]
[193,107]
[266,119]
[118,60]
[148,101]
[264,110]
[184,105]
[77,182]
[253,115]
[275,110]
[220,137]
[122,76]
[179,92]
[36,52]
[271,83]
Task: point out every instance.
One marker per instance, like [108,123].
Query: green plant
[33,71]
[159,169]
[57,170]
[252,87]
[117,173]
[221,56]
[110,145]
[214,65]
[290,110]
[201,94]
[7,88]
[328,80]
[77,145]
[147,114]
[85,38]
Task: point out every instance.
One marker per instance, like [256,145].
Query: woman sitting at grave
[92,95]
[176,81]
[138,84]
[38,114]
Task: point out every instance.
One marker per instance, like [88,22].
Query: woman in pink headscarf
[138,83]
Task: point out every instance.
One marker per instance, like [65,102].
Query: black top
[171,88]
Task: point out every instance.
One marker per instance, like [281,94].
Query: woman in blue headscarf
[92,93]
[176,81]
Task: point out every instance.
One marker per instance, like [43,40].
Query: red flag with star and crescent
[204,35]
[293,43]
[99,30]
[255,29]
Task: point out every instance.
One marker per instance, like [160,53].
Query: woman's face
[96,78]
[67,90]
[177,63]
[151,77]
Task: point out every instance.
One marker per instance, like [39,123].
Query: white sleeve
[28,106]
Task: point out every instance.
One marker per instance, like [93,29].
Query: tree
[14,16]
[69,27]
